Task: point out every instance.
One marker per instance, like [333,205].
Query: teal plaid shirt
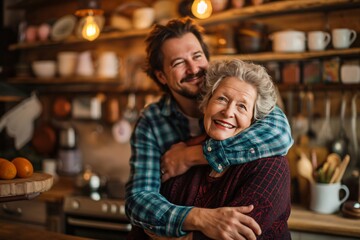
[159,126]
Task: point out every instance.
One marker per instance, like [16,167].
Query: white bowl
[288,41]
[44,69]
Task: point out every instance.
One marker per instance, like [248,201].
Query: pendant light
[88,9]
[201,8]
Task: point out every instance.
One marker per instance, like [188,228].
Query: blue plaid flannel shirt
[159,126]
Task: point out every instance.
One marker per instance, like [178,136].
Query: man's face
[184,66]
[230,109]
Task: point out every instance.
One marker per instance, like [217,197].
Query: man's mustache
[199,74]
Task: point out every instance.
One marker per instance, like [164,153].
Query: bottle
[69,155]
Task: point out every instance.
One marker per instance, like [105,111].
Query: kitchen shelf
[318,87]
[277,7]
[268,9]
[113,85]
[24,4]
[77,85]
[62,80]
[278,56]
[74,40]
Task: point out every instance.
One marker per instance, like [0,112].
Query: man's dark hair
[175,28]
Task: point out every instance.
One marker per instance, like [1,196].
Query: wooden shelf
[77,85]
[277,56]
[277,7]
[60,81]
[74,40]
[318,87]
[272,8]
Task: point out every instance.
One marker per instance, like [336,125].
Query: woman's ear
[161,77]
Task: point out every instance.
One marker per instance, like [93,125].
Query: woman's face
[230,109]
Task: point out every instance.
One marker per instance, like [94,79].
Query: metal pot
[89,181]
[288,41]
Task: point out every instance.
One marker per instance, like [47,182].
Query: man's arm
[147,208]
[270,136]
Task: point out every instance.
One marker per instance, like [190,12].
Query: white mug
[67,62]
[143,17]
[318,40]
[85,65]
[343,37]
[325,197]
[108,65]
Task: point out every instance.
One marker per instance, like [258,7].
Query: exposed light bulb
[90,30]
[201,8]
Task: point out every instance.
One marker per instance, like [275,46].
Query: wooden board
[37,183]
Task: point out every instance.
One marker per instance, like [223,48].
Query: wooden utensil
[304,168]
[342,167]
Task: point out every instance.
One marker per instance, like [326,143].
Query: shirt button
[252,150]
[209,149]
[220,167]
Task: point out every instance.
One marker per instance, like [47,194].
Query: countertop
[301,219]
[17,231]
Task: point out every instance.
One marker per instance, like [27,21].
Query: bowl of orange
[19,167]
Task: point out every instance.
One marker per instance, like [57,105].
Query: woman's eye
[222,99]
[242,106]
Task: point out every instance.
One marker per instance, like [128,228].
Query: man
[177,60]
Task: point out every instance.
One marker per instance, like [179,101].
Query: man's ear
[161,77]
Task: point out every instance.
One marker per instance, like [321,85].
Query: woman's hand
[223,223]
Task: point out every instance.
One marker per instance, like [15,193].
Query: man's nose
[192,67]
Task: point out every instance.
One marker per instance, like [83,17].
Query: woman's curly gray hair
[251,73]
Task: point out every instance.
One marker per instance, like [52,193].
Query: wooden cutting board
[37,183]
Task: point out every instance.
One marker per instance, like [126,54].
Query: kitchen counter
[301,219]
[305,220]
[15,231]
[62,187]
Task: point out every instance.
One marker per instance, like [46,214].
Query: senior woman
[236,94]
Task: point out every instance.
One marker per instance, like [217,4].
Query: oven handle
[99,225]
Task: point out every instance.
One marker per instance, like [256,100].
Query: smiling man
[177,60]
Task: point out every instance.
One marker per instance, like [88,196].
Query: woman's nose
[229,110]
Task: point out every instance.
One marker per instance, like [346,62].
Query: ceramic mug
[318,40]
[85,65]
[343,37]
[143,17]
[325,197]
[108,65]
[67,62]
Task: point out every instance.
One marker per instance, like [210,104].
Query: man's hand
[223,223]
[174,162]
[182,156]
[153,236]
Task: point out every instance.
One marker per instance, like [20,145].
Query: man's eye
[178,63]
[197,56]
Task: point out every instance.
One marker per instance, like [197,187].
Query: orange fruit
[3,159]
[23,166]
[7,169]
